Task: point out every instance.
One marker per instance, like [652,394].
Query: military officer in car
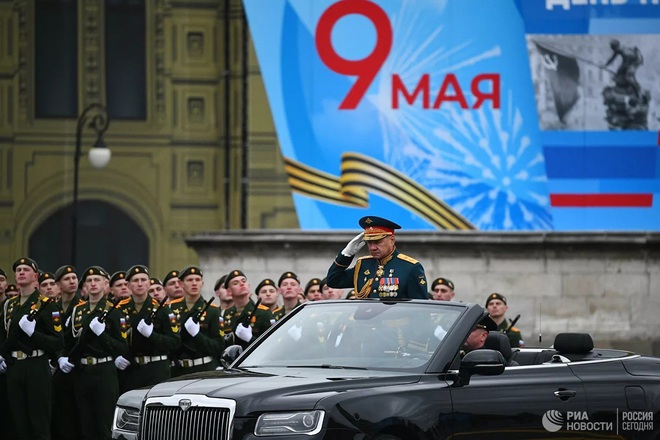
[386,273]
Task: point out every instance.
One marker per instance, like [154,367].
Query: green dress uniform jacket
[65,424]
[514,335]
[95,383]
[261,319]
[395,276]
[149,357]
[201,352]
[279,312]
[29,383]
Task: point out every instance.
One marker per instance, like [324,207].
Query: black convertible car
[371,369]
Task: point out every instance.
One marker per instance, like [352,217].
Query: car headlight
[126,419]
[302,422]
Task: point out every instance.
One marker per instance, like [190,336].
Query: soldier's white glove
[192,327]
[145,329]
[3,365]
[354,245]
[53,368]
[439,332]
[244,333]
[295,332]
[27,326]
[122,363]
[65,365]
[97,326]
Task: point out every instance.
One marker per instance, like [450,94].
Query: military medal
[380,271]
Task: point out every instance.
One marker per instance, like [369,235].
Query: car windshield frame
[357,335]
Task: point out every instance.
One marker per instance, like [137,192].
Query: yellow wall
[168,172]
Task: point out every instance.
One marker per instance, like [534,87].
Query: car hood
[266,389]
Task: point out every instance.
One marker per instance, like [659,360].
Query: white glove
[295,332]
[3,365]
[439,332]
[145,329]
[53,368]
[27,326]
[244,333]
[354,245]
[122,363]
[192,327]
[97,326]
[65,365]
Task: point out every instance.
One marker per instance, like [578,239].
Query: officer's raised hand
[354,245]
[27,325]
[96,326]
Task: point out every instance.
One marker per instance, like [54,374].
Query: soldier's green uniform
[65,423]
[149,357]
[279,312]
[95,376]
[394,276]
[201,352]
[29,383]
[514,334]
[260,321]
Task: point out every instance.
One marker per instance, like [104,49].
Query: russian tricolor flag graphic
[592,175]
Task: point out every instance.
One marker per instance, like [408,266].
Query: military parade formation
[71,342]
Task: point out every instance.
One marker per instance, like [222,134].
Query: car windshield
[356,334]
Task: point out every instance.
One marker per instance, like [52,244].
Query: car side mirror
[230,354]
[484,362]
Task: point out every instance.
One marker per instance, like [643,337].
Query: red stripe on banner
[602,200]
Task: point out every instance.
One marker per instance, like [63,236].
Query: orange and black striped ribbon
[362,174]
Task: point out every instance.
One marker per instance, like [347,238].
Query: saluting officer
[386,274]
[26,347]
[92,339]
[65,424]
[244,323]
[202,338]
[150,342]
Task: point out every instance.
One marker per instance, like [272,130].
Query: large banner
[466,114]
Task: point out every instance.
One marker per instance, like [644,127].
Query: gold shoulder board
[405,257]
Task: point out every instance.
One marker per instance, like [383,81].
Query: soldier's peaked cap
[376,228]
[27,262]
[171,274]
[287,275]
[137,269]
[64,270]
[45,276]
[94,270]
[119,275]
[190,270]
[231,275]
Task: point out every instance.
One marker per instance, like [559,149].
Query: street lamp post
[94,116]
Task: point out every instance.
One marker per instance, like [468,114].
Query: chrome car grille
[187,417]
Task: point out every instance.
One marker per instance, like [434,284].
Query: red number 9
[365,69]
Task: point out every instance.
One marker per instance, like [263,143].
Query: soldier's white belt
[187,363]
[94,361]
[20,355]
[141,360]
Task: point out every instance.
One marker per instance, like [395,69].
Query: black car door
[524,402]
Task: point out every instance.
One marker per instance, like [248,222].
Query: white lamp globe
[99,155]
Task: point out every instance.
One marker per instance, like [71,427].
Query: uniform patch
[56,317]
